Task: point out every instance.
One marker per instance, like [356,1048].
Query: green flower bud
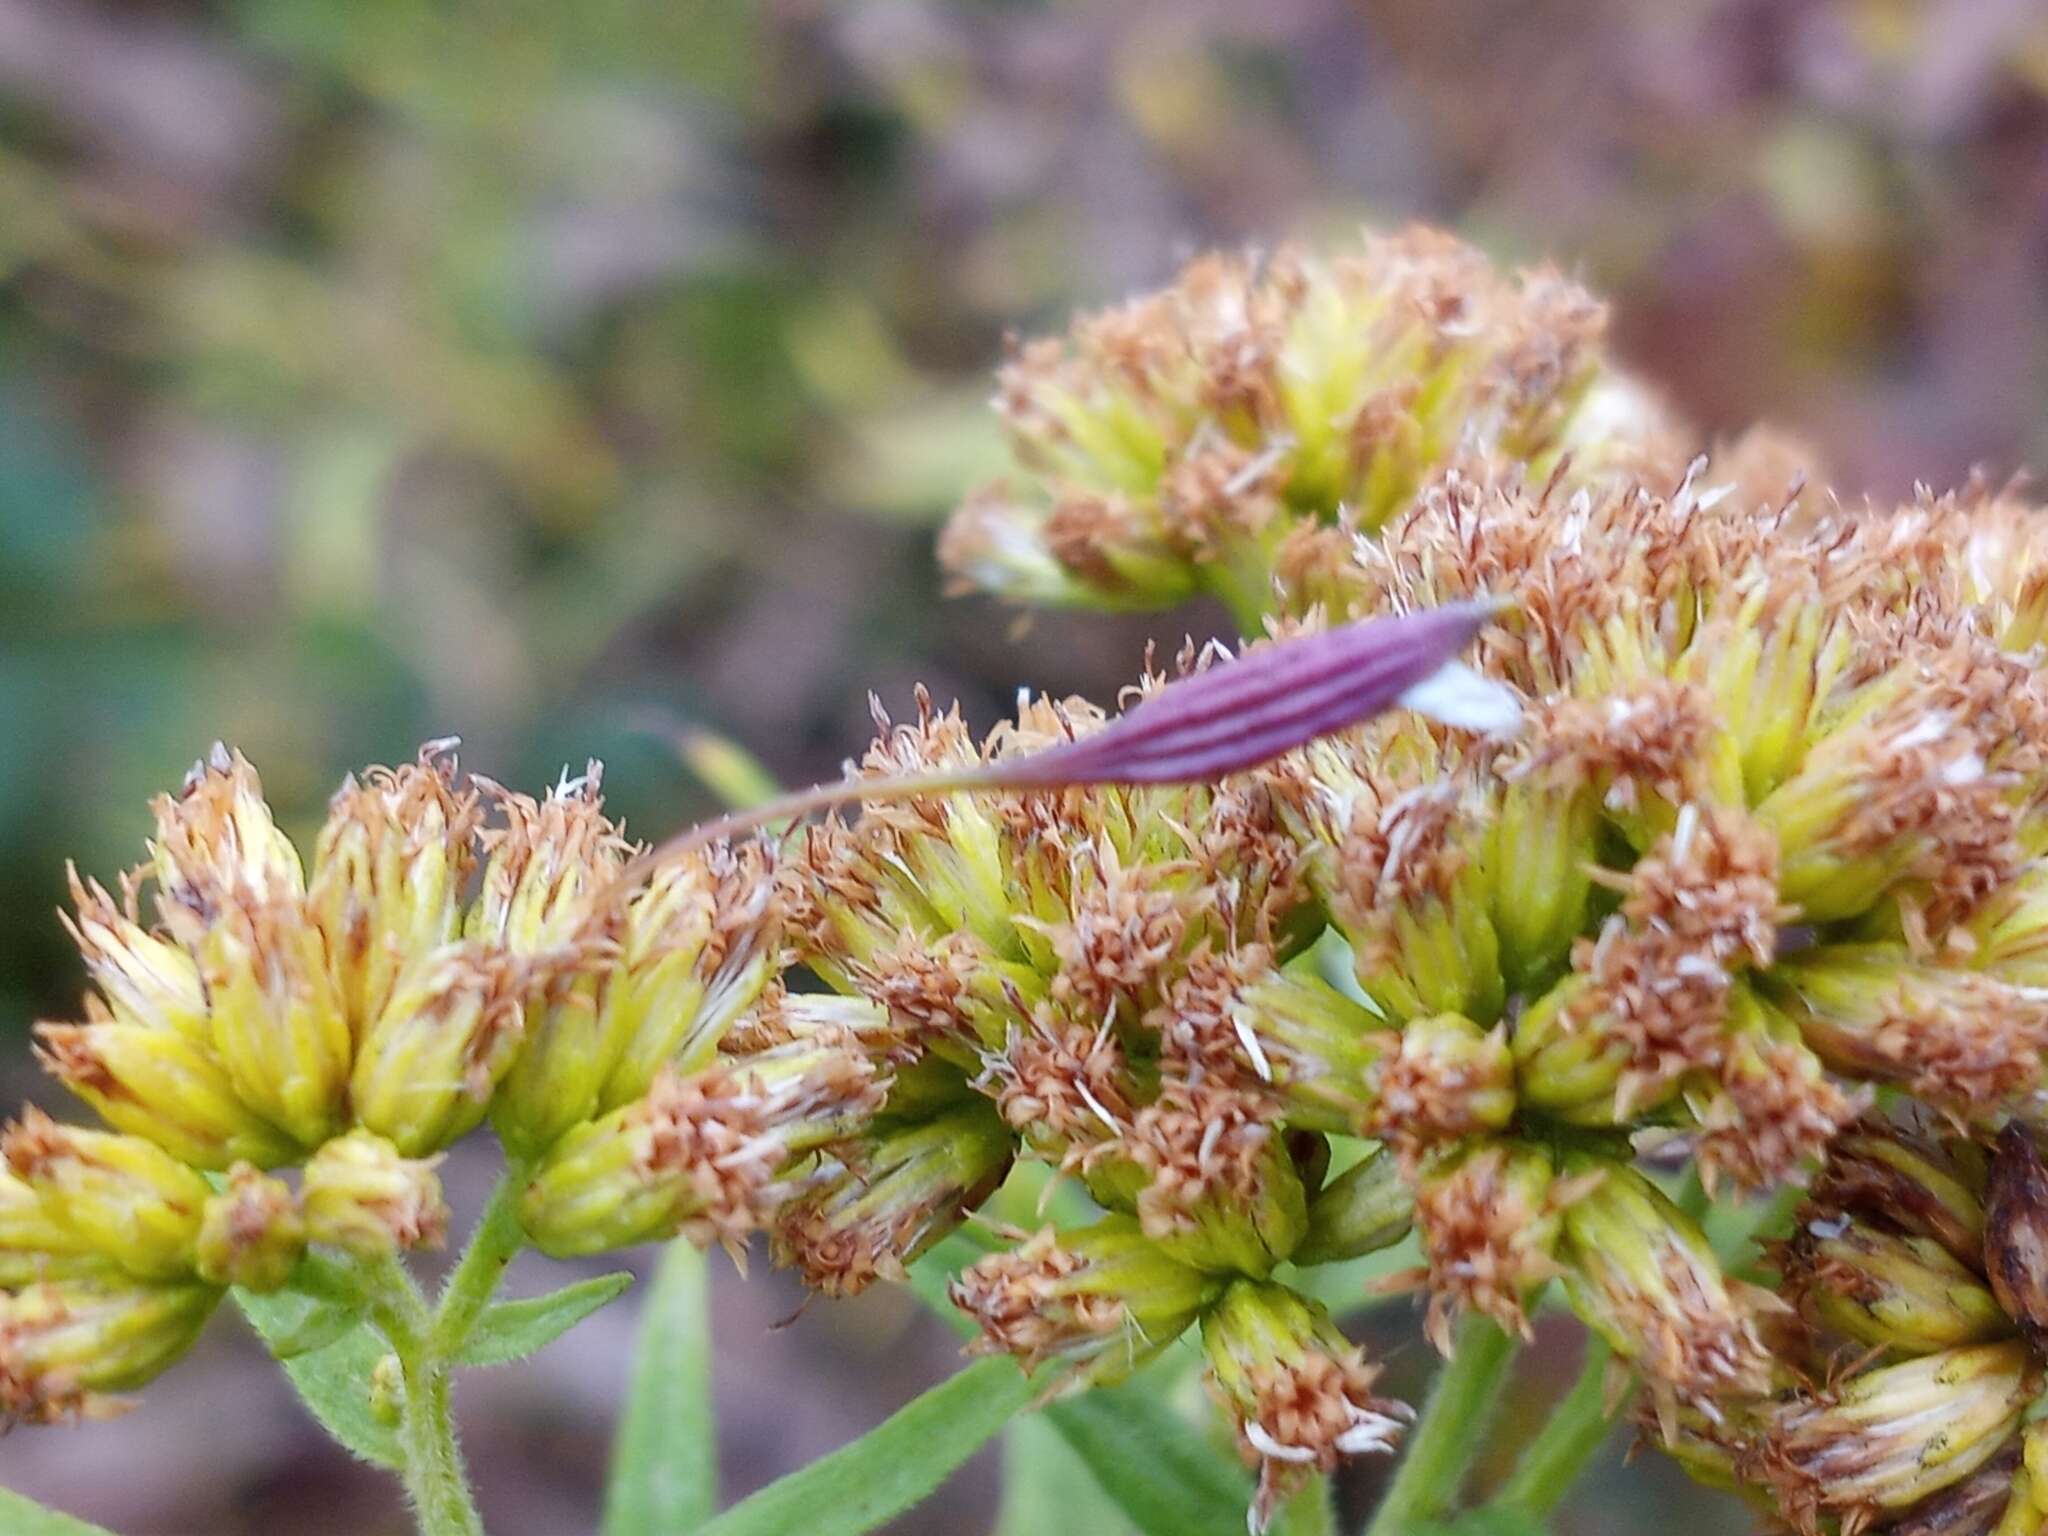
[1641,1274]
[1102,1299]
[896,1193]
[163,1085]
[359,1194]
[1894,1292]
[125,1197]
[1891,1436]
[558,1069]
[1223,1194]
[430,1061]
[1365,1208]
[387,1391]
[62,1343]
[543,866]
[1767,662]
[1299,1391]
[1569,1063]
[388,874]
[1877,800]
[251,1233]
[1540,845]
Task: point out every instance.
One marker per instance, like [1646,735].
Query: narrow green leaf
[512,1330]
[893,1466]
[1047,1491]
[333,1381]
[664,1477]
[1167,1480]
[25,1517]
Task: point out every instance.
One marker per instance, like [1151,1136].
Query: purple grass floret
[1264,704]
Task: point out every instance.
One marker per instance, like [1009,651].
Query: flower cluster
[1764,848]
[1192,439]
[1731,866]
[448,954]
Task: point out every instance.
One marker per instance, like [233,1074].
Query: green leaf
[1166,1479]
[334,1381]
[1046,1489]
[25,1517]
[893,1466]
[321,1324]
[664,1477]
[512,1330]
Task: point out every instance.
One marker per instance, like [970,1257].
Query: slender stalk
[492,1246]
[1576,1430]
[1450,1430]
[430,1463]
[1311,1512]
[425,1342]
[432,1469]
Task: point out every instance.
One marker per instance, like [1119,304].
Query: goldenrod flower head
[1103,1299]
[1641,1274]
[890,1195]
[389,870]
[125,1198]
[64,1344]
[1175,442]
[1888,1289]
[1301,1392]
[251,1233]
[708,1154]
[429,1062]
[1891,1436]
[360,1194]
[1489,1215]
[36,1243]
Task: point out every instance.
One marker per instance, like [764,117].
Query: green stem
[1311,1512]
[430,1461]
[496,1240]
[1574,1434]
[1452,1425]
[432,1469]
[430,1464]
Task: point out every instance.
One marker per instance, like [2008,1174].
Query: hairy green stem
[492,1246]
[1450,1430]
[426,1343]
[432,1468]
[1576,1430]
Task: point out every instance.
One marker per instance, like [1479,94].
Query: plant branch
[1576,1430]
[1452,1425]
[492,1246]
